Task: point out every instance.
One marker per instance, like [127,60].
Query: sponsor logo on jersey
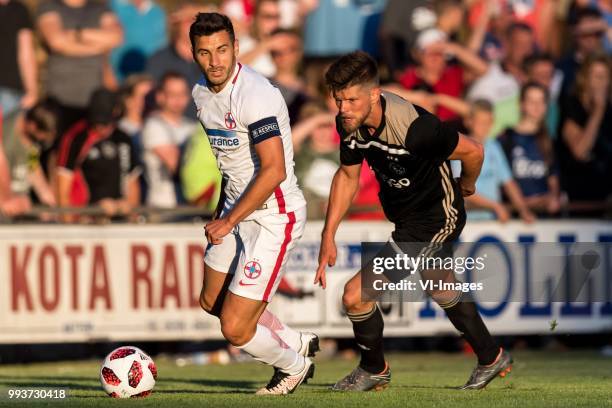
[222,138]
[395,183]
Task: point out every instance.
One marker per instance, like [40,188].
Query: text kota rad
[41,276]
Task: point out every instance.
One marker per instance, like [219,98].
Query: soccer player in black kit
[408,149]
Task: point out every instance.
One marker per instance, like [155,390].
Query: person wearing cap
[437,82]
[97,164]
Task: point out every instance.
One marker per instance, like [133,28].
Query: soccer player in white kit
[261,214]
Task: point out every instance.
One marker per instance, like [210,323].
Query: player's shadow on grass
[228,391]
[427,387]
[236,385]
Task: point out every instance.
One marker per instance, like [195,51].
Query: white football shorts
[256,253]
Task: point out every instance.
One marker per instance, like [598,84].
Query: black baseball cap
[104,107]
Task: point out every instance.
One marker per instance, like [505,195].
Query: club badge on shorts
[252,270]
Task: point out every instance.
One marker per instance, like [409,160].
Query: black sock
[465,317]
[368,328]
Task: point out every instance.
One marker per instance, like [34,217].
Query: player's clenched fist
[327,257]
[217,229]
[468,188]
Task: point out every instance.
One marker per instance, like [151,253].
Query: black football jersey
[409,156]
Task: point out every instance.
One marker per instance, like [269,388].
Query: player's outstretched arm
[343,190]
[271,174]
[471,154]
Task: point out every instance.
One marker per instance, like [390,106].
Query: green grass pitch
[538,379]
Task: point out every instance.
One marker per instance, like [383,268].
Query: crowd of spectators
[96,110]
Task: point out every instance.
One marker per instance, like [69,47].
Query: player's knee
[234,331]
[351,298]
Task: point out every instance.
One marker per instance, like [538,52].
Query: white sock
[289,336]
[266,346]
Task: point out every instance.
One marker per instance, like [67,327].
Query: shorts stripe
[281,254]
[280,199]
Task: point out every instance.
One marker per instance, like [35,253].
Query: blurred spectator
[489,28]
[23,137]
[585,142]
[287,57]
[588,33]
[97,164]
[134,91]
[144,26]
[401,22]
[177,56]
[529,151]
[199,174]
[538,15]
[336,27]
[316,156]
[434,78]
[255,48]
[502,90]
[293,12]
[605,8]
[241,14]
[19,79]
[501,84]
[520,45]
[486,203]
[449,15]
[540,68]
[164,137]
[78,35]
[366,204]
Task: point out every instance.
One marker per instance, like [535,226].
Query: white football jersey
[248,110]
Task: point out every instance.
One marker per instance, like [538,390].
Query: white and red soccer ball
[128,372]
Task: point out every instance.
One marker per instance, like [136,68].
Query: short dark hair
[531,60]
[481,105]
[169,75]
[104,107]
[45,115]
[518,27]
[208,24]
[356,68]
[587,13]
[533,85]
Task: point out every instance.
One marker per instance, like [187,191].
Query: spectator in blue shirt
[528,148]
[495,175]
[144,30]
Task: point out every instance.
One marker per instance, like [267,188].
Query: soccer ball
[128,372]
